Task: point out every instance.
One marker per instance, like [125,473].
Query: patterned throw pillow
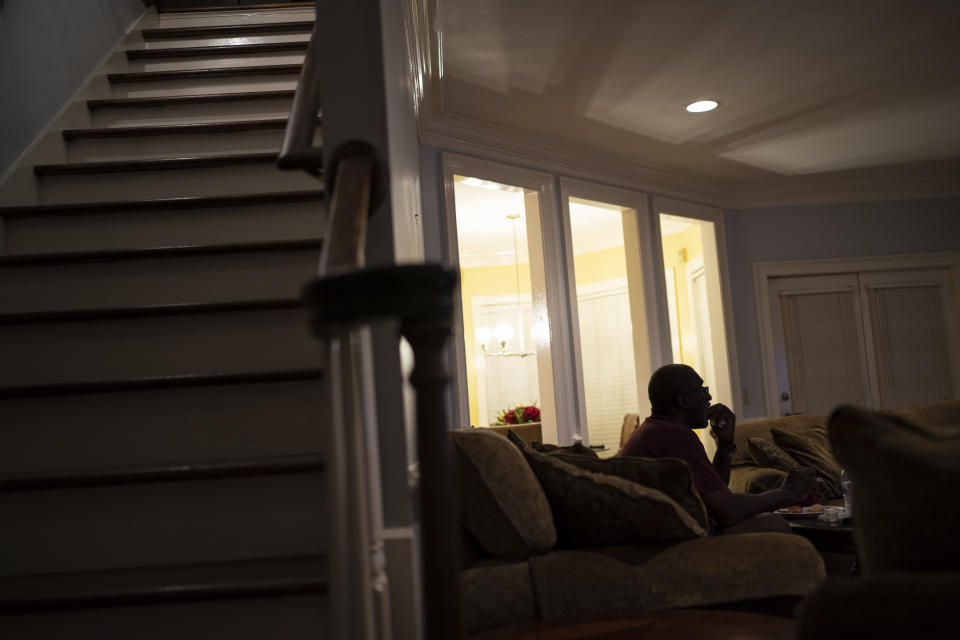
[669,475]
[811,448]
[600,510]
[577,449]
[501,503]
[767,454]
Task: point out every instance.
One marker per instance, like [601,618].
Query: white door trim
[764,272]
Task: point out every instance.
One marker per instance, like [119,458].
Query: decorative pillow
[501,503]
[755,479]
[599,510]
[767,454]
[669,475]
[906,480]
[519,442]
[811,448]
[577,448]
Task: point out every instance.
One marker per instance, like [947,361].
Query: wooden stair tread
[32,259]
[160,204]
[216,72]
[165,472]
[153,311]
[159,382]
[228,30]
[205,98]
[216,50]
[244,7]
[176,129]
[154,164]
[188,582]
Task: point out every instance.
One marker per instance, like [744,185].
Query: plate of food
[796,511]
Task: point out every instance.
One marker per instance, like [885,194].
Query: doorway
[878,332]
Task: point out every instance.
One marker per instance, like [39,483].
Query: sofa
[549,535]
[756,465]
[905,468]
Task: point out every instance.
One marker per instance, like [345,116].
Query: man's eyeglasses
[705,390]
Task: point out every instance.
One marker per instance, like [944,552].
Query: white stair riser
[151,281]
[133,185]
[221,18]
[222,422]
[135,41]
[120,63]
[234,342]
[191,113]
[162,523]
[166,146]
[165,228]
[202,86]
[277,618]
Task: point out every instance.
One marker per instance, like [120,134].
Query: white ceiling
[842,90]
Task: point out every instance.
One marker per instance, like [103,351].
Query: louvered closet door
[908,314]
[818,343]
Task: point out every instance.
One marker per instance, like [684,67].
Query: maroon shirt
[660,437]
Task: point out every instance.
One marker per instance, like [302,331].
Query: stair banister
[297,150]
[341,303]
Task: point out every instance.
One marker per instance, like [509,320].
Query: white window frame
[547,235]
[648,325]
[671,206]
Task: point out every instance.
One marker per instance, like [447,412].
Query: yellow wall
[598,266]
[484,281]
[672,246]
[690,241]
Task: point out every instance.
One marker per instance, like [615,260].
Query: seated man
[681,403]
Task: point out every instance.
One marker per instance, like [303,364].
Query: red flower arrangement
[519,414]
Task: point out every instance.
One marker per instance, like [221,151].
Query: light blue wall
[822,231]
[47,49]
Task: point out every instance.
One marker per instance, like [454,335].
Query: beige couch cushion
[761,428]
[501,502]
[698,572]
[906,481]
[810,447]
[598,510]
[932,414]
[767,454]
[755,479]
[496,593]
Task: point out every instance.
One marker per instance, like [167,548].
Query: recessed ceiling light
[702,105]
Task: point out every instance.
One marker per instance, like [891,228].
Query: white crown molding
[839,191]
[478,138]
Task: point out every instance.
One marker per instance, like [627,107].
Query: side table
[829,538]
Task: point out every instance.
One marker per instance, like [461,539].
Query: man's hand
[799,482]
[723,424]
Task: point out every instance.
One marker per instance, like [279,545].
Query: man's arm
[723,424]
[729,508]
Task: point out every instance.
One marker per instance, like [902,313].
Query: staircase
[162,452]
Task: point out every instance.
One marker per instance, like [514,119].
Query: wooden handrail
[297,150]
[346,230]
